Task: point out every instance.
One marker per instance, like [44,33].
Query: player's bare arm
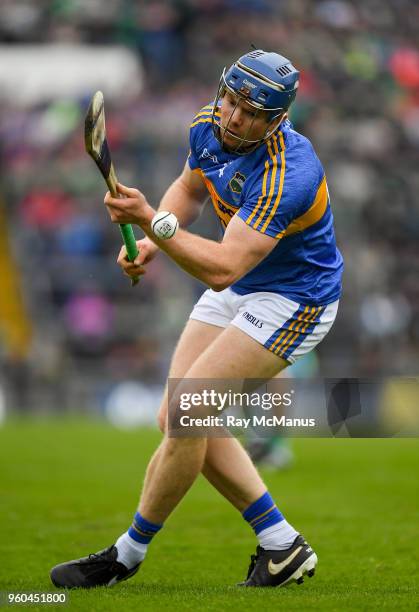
[185,198]
[217,264]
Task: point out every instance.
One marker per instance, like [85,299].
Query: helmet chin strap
[276,126]
[244,145]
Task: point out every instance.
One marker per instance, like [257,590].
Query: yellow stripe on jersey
[206,114]
[273,179]
[312,215]
[211,187]
[201,121]
[205,109]
[216,200]
[208,120]
[270,171]
[281,184]
[264,181]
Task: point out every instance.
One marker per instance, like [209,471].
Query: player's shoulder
[295,155]
[204,116]
[201,129]
[287,163]
[293,145]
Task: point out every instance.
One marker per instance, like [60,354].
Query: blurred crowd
[359,104]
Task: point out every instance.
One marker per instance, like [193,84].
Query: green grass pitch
[68,488]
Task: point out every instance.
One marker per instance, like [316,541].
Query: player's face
[241,120]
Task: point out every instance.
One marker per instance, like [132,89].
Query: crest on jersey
[236,183]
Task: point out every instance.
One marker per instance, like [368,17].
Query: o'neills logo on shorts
[253,320]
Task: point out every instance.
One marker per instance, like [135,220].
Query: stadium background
[72,330]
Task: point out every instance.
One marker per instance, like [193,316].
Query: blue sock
[142,530]
[262,513]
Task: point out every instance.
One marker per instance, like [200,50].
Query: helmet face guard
[266,82]
[244,144]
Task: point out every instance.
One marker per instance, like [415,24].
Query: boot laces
[253,561]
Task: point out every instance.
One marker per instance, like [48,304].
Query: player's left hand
[131,207]
[147,250]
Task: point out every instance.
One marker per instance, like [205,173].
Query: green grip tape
[129,240]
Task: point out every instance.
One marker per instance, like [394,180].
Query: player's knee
[182,445]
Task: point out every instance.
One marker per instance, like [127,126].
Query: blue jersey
[280,190]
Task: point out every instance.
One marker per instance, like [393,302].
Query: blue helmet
[265,80]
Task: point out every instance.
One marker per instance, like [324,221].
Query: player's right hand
[147,251]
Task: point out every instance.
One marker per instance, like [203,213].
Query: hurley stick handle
[126,228]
